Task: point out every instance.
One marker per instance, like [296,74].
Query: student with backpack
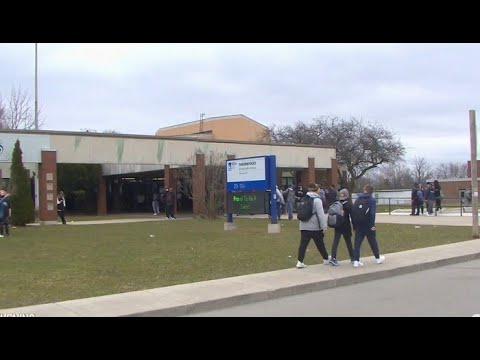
[363,219]
[312,224]
[342,227]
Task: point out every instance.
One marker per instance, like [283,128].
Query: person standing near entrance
[290,200]
[5,213]
[170,204]
[156,202]
[438,196]
[61,206]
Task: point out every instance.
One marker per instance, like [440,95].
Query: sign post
[251,188]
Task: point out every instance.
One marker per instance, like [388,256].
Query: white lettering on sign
[246,169]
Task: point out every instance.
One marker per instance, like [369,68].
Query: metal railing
[447,203]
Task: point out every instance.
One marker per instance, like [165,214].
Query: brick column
[199,185]
[48,188]
[170,182]
[173,182]
[332,174]
[311,170]
[166,176]
[101,196]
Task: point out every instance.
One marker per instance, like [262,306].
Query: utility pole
[36,89]
[202,115]
[473,153]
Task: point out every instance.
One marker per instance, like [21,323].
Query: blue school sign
[248,181]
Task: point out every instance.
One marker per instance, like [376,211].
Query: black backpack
[305,208]
[361,211]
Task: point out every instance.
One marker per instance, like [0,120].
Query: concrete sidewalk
[442,219]
[208,295]
[385,218]
[116,221]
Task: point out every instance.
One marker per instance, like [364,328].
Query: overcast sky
[421,92]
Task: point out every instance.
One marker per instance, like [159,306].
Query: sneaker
[301,265]
[333,262]
[1,236]
[327,261]
[357,264]
[154,214]
[380,260]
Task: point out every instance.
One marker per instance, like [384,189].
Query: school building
[133,164]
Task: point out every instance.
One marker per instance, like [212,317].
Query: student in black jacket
[345,229]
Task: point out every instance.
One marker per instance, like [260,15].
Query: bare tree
[421,170]
[2,114]
[214,184]
[388,177]
[441,171]
[360,148]
[458,170]
[19,113]
[398,176]
[451,170]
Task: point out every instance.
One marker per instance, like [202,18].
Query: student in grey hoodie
[314,228]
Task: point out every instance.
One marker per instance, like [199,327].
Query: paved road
[449,291]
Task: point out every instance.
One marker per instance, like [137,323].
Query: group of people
[364,226]
[6,211]
[428,194]
[169,199]
[290,196]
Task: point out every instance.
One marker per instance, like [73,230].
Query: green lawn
[54,263]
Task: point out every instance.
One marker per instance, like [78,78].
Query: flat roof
[153,137]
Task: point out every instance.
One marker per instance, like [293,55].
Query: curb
[300,289]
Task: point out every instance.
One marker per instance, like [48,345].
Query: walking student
[363,220]
[344,229]
[61,206]
[313,226]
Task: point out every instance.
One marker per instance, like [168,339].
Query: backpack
[305,208]
[361,210]
[335,215]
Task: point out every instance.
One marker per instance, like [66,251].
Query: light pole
[473,158]
[36,89]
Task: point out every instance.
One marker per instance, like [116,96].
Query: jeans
[360,234]
[290,210]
